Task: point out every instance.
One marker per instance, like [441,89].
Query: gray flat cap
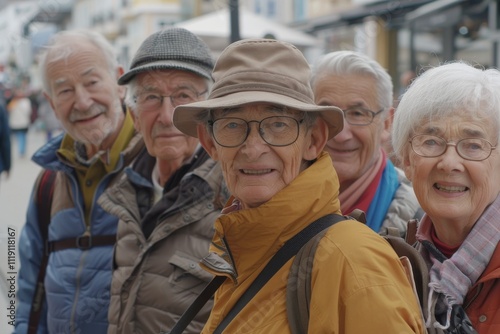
[171,48]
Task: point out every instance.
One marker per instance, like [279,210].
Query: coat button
[483,318]
[88,183]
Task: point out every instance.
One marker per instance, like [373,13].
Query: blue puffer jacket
[77,281]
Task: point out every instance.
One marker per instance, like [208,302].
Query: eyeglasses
[474,149]
[360,115]
[148,101]
[274,130]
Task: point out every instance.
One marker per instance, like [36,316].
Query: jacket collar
[263,230]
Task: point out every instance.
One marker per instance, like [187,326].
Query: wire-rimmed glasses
[148,101]
[274,130]
[429,146]
[360,116]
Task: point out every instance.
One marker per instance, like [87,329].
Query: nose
[450,160]
[254,145]
[166,112]
[83,99]
[254,133]
[345,134]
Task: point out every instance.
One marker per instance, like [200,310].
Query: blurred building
[402,35]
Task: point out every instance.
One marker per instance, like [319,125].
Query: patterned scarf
[451,279]
[350,196]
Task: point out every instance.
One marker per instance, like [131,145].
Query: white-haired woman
[446,132]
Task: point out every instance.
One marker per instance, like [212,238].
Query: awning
[393,12]
[214,29]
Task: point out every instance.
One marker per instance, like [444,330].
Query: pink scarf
[349,197]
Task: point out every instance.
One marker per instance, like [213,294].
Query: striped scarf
[451,279]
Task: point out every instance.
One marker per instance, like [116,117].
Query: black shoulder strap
[44,196]
[298,291]
[287,251]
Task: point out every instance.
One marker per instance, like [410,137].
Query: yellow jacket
[358,283]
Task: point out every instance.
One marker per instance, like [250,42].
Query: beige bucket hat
[259,70]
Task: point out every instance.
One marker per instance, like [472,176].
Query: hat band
[260,87]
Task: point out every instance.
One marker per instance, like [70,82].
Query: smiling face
[161,137]
[255,171]
[453,191]
[356,148]
[85,95]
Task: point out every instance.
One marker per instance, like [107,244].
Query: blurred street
[14,195]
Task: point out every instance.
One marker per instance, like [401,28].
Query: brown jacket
[157,277]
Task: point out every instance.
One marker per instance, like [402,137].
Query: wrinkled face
[357,147]
[155,120]
[255,171]
[451,190]
[85,95]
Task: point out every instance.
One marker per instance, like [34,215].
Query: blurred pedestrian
[5,145]
[20,111]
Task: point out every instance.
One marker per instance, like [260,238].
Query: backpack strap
[44,195]
[418,270]
[299,280]
[411,231]
[298,291]
[82,242]
[286,252]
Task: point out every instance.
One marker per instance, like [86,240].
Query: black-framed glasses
[274,130]
[148,101]
[360,115]
[474,149]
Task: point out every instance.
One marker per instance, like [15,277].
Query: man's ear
[207,141]
[318,136]
[122,89]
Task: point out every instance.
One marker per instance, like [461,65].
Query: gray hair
[133,88]
[352,63]
[441,92]
[64,44]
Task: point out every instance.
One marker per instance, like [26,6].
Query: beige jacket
[156,278]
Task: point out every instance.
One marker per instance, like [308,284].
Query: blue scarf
[383,197]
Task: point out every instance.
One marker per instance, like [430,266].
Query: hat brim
[164,65]
[186,117]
